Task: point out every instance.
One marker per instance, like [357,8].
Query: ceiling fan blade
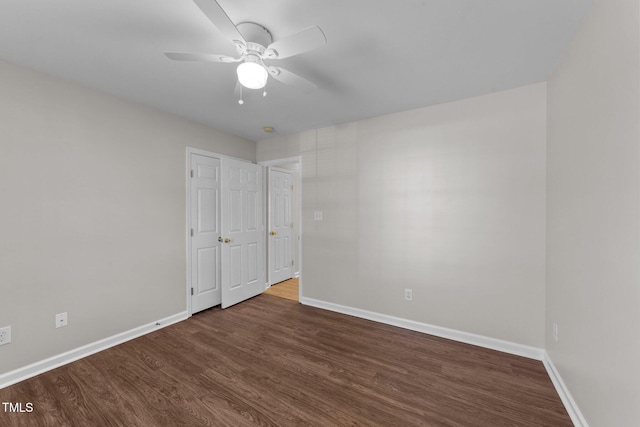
[220,19]
[304,41]
[200,57]
[291,79]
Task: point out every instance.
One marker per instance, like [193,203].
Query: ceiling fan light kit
[252,75]
[255,44]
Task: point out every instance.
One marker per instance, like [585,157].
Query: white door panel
[207,270]
[243,251]
[205,226]
[280,235]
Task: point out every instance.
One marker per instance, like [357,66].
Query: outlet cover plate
[5,335]
[408,294]
[61,320]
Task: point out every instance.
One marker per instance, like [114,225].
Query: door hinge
[291,262]
[191,173]
[191,291]
[192,232]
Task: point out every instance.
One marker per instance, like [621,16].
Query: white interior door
[243,245]
[280,233]
[205,224]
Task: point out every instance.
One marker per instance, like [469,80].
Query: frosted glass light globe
[252,75]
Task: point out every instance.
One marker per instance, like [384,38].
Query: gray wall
[93,212]
[593,233]
[446,200]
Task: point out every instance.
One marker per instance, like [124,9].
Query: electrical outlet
[61,320]
[5,335]
[555,331]
[408,294]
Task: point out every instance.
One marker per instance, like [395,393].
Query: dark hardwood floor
[273,362]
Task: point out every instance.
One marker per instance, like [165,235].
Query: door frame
[187,229]
[298,194]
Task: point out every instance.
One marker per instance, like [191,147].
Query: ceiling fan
[255,45]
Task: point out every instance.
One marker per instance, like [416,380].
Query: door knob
[227,240]
[273,233]
[220,239]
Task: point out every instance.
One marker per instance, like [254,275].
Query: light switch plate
[317,215]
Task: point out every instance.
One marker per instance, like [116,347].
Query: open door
[280,231]
[243,236]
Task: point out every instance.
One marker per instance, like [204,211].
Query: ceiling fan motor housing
[257,36]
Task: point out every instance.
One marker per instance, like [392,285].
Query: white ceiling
[382,56]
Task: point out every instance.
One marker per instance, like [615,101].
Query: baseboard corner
[567,400]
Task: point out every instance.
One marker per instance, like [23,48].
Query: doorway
[293,280]
[281,234]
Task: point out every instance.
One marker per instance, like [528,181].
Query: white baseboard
[45,365]
[570,405]
[482,341]
[452,334]
[567,400]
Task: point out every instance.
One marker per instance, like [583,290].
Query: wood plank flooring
[287,289]
[273,362]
